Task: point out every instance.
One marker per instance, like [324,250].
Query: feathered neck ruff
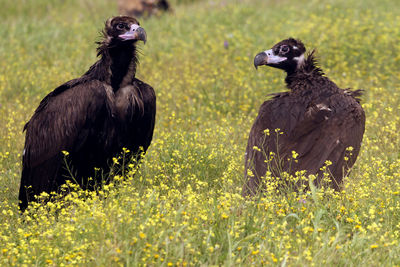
[117,63]
[308,70]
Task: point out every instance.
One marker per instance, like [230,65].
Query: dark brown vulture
[92,117]
[139,8]
[317,119]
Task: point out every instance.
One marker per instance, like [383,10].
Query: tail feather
[34,181]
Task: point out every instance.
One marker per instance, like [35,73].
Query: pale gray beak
[135,33]
[260,59]
[268,58]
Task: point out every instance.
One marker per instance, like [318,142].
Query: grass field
[183,205]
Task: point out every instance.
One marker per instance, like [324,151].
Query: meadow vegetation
[182,206]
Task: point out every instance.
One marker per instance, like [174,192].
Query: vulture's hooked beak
[135,33]
[260,59]
[268,58]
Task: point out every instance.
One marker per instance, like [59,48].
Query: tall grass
[183,205]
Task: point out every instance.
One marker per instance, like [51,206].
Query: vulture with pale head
[315,118]
[92,118]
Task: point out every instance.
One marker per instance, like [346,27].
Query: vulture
[142,7]
[316,119]
[91,118]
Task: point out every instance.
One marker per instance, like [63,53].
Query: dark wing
[136,109]
[318,133]
[61,122]
[282,112]
[149,112]
[342,126]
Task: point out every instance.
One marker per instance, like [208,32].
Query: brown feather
[318,120]
[92,117]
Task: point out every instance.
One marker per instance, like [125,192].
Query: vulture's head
[287,55]
[123,29]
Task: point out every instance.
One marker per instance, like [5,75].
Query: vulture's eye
[120,26]
[284,49]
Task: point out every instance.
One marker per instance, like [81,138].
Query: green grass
[183,206]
